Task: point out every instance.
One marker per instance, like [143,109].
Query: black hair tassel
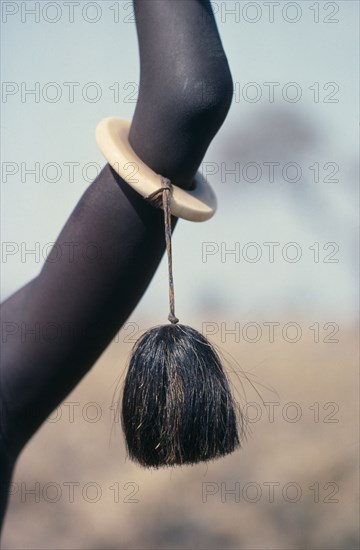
[177,403]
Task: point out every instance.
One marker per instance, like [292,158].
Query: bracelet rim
[112,136]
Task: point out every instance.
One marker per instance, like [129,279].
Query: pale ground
[313,461]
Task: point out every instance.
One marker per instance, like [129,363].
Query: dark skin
[184,96]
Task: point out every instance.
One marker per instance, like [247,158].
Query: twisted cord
[162,197]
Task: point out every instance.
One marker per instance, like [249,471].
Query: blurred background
[274,279]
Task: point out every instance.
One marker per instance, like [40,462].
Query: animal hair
[177,405]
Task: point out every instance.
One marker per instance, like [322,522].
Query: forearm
[76,304]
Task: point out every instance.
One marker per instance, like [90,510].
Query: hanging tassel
[177,405]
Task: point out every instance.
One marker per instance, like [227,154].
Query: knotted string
[165,200]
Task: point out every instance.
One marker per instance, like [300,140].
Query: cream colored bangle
[112,136]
